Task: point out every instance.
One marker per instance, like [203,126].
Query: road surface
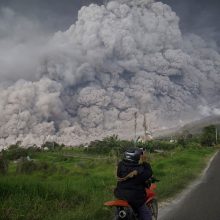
[203,202]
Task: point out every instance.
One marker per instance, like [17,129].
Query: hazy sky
[200,16]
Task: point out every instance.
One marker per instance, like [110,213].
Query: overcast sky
[199,16]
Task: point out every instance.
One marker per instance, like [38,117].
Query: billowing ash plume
[118,59]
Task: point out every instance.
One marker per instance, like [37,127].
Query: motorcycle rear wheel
[154,209]
[129,214]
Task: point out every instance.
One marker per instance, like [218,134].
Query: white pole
[135,126]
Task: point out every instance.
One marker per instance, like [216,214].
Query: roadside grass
[80,183]
[179,168]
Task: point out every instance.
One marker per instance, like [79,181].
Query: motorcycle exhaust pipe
[122,214]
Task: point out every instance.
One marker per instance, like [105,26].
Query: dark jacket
[133,189]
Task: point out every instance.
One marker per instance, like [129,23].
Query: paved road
[203,203]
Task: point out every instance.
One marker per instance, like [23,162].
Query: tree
[208,136]
[3,164]
[184,138]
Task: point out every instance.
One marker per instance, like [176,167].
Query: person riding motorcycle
[133,173]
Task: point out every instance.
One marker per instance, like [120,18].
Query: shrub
[194,145]
[161,145]
[104,146]
[15,152]
[52,146]
[26,166]
[63,170]
[112,145]
[3,165]
[208,137]
[46,167]
[182,141]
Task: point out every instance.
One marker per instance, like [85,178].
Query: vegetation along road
[54,182]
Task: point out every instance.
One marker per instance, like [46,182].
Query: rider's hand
[143,158]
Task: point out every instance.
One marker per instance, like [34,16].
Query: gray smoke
[20,41]
[87,82]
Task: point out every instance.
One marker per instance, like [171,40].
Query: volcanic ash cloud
[118,59]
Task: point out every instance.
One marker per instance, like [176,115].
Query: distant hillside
[194,127]
[197,126]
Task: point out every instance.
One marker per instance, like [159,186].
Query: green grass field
[71,184]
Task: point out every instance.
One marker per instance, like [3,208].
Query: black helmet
[133,155]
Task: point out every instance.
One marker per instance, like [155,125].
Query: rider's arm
[147,171]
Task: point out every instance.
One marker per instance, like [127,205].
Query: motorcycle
[123,211]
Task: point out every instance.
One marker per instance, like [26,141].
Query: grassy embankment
[71,184]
